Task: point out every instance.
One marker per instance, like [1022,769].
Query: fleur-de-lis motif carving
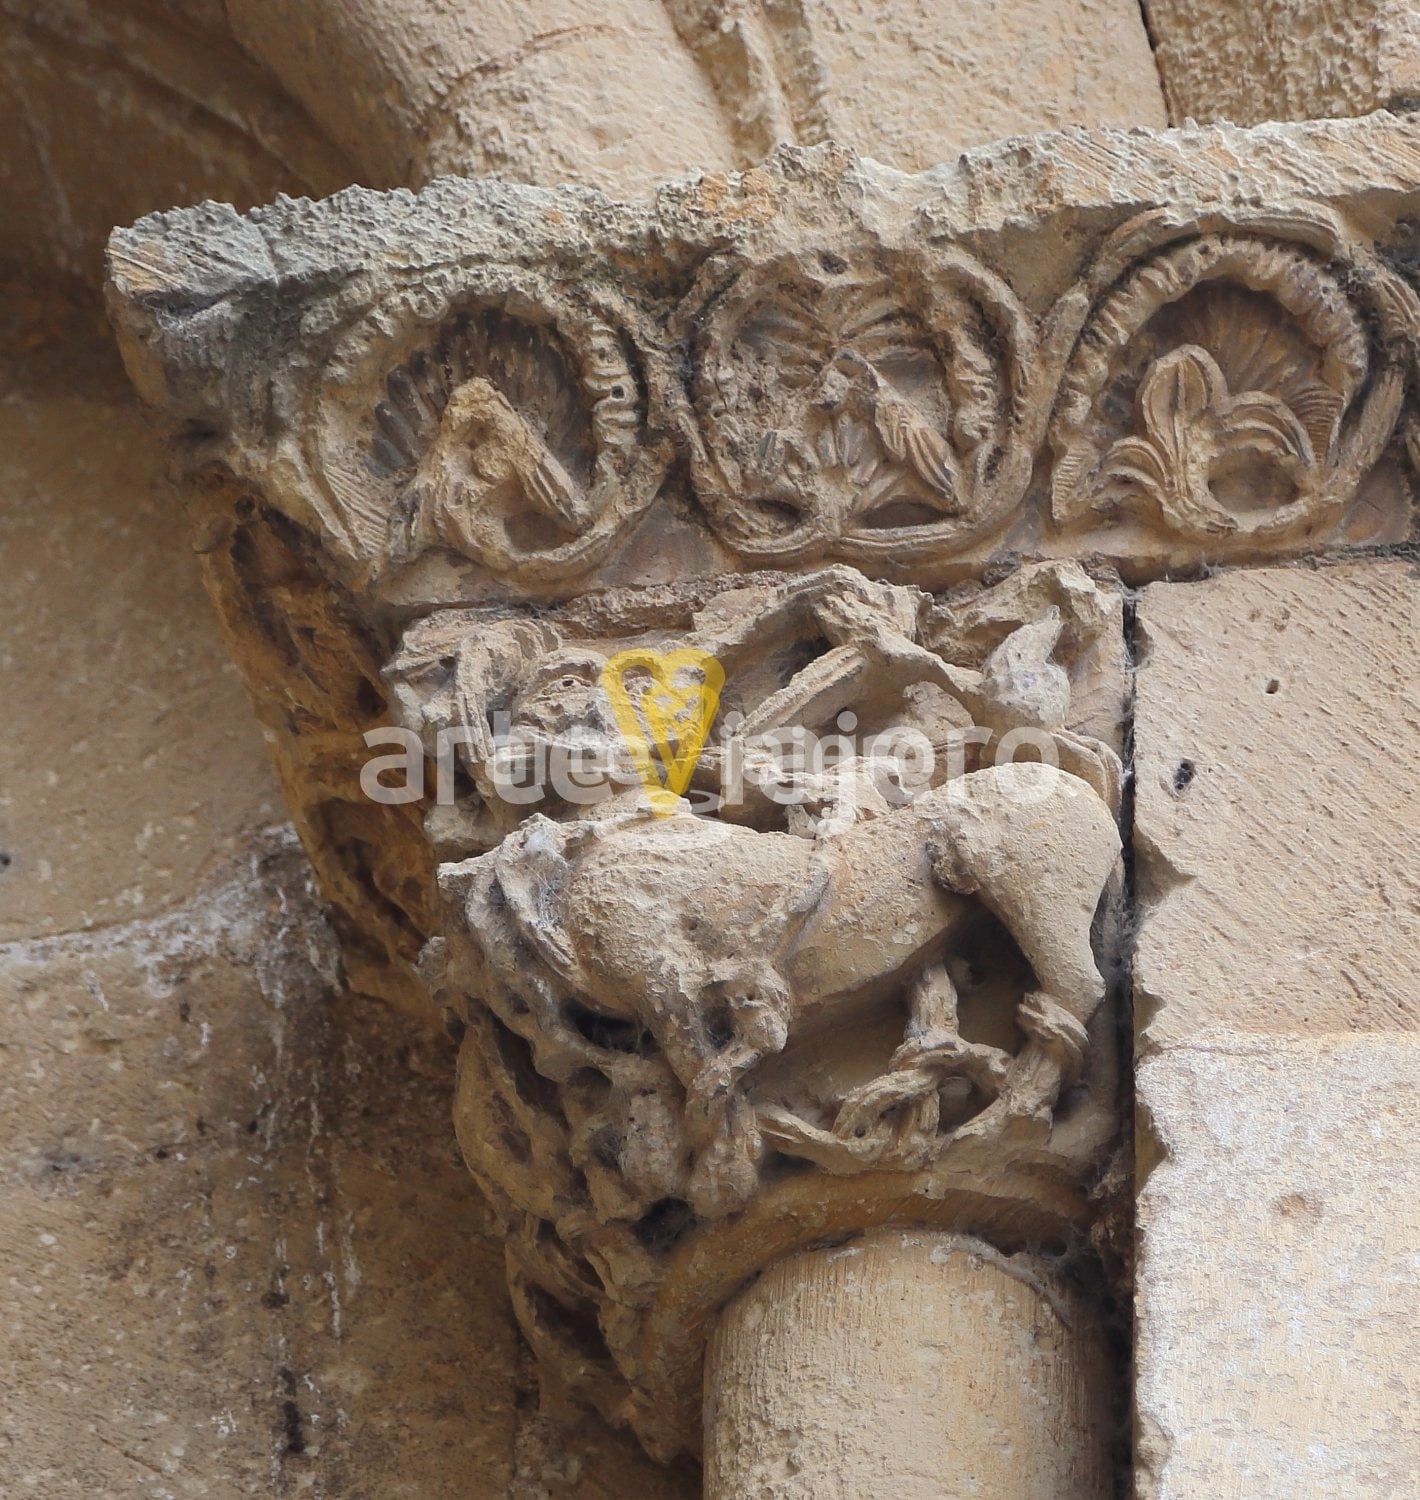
[1227,385]
[523,433]
[1194,430]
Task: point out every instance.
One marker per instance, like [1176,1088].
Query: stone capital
[742,573]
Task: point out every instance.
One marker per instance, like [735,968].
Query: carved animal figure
[714,941]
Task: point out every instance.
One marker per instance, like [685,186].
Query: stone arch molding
[1215,387]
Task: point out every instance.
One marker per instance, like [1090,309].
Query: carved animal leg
[1036,846]
[1051,1060]
[933,1052]
[720,1122]
[1093,762]
[934,1040]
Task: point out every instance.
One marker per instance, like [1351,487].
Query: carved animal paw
[726,1172]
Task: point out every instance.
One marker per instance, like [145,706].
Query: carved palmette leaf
[1226,368]
[672,1051]
[1177,392]
[1270,427]
[1192,426]
[1136,462]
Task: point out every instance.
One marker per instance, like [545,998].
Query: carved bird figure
[483,443]
[905,434]
[914,442]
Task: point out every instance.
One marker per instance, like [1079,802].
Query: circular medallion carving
[861,408]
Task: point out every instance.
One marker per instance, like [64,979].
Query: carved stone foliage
[870,961]
[809,363]
[506,460]
[313,670]
[1226,388]
[509,431]
[855,408]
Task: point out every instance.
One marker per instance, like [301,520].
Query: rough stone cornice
[1025,300]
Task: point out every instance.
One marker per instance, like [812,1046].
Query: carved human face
[561,695]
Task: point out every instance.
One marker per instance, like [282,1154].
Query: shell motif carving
[861,409]
[1226,388]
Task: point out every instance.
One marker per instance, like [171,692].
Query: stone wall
[1275,995]
[239,1254]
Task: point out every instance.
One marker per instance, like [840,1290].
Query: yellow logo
[662,717]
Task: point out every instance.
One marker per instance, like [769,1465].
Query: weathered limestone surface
[106,649]
[208,1148]
[1275,1321]
[842,997]
[238,1253]
[911,85]
[977,377]
[1277,871]
[414,425]
[111,110]
[906,84]
[1277,802]
[245,99]
[1088,343]
[208,1155]
[959,1370]
[1284,59]
[539,91]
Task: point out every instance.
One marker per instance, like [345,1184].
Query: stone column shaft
[910,1364]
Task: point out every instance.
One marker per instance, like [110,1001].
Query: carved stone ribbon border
[964,371]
